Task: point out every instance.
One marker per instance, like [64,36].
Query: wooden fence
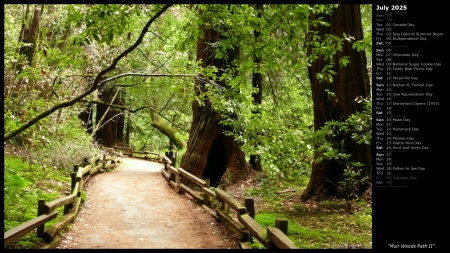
[221,205]
[47,211]
[241,219]
[147,155]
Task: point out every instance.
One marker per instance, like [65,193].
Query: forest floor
[134,207]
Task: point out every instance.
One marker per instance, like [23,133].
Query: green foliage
[70,145]
[358,125]
[24,185]
[312,225]
[331,141]
[329,45]
[103,21]
[86,38]
[350,185]
[318,231]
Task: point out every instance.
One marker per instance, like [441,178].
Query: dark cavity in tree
[216,163]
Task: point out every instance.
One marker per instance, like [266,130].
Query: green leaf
[96,37]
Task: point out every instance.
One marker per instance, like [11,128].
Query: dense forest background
[283,90]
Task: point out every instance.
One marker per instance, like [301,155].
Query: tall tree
[255,160]
[210,153]
[111,128]
[29,35]
[349,83]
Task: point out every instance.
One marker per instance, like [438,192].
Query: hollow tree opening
[201,158]
[216,164]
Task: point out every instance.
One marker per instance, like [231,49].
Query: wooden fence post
[225,207]
[41,211]
[73,178]
[104,162]
[282,224]
[165,162]
[207,198]
[173,158]
[250,206]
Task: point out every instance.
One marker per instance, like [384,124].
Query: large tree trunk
[210,154]
[111,131]
[128,130]
[86,116]
[30,35]
[350,82]
[120,121]
[255,160]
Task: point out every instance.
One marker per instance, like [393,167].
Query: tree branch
[157,67]
[168,131]
[95,85]
[146,75]
[122,107]
[98,126]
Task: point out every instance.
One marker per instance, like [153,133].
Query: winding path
[134,207]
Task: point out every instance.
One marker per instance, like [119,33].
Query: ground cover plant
[311,225]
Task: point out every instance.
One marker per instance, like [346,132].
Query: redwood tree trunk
[128,130]
[350,82]
[111,132]
[120,121]
[255,160]
[30,35]
[210,154]
[86,117]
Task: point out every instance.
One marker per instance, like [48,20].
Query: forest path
[134,207]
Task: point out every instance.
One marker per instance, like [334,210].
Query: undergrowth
[328,224]
[24,185]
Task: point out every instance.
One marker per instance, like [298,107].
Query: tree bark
[167,130]
[255,160]
[110,125]
[30,35]
[128,130]
[210,154]
[350,82]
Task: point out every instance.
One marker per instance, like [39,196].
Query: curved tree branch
[125,108]
[162,126]
[99,123]
[168,131]
[95,85]
[157,67]
[146,75]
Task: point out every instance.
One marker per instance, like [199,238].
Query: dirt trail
[134,207]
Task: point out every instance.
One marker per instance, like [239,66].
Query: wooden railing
[148,155]
[214,200]
[241,220]
[47,211]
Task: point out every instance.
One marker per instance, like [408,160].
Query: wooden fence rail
[154,156]
[242,222]
[47,211]
[216,201]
